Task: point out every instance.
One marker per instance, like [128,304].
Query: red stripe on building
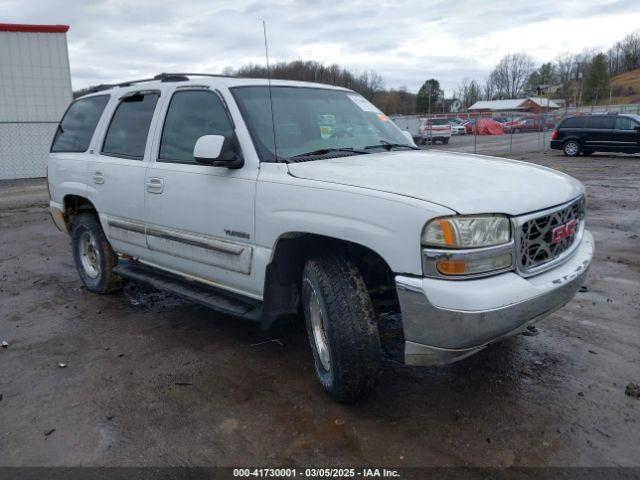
[19,27]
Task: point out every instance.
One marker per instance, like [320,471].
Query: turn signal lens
[467,232]
[470,267]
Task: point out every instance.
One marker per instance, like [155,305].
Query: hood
[465,183]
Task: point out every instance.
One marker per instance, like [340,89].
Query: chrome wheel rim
[571,148]
[318,331]
[89,256]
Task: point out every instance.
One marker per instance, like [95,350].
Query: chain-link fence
[496,133]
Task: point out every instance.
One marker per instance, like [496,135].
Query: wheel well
[73,205]
[284,273]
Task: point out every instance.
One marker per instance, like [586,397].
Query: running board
[209,296]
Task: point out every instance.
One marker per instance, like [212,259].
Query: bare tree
[468,92]
[489,89]
[512,73]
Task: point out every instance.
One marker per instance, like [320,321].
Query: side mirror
[208,149]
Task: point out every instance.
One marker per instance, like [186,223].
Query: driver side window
[191,115]
[625,123]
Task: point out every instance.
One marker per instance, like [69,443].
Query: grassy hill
[626,88]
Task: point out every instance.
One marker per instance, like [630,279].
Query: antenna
[273,120]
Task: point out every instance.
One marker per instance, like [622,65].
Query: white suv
[265,201]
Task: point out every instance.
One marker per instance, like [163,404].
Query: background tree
[368,83]
[468,92]
[596,82]
[545,75]
[511,74]
[428,96]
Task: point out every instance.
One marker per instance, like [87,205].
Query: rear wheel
[571,148]
[445,141]
[516,130]
[342,327]
[93,255]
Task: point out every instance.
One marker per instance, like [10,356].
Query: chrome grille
[535,246]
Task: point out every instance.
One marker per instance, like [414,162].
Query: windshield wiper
[388,146]
[324,151]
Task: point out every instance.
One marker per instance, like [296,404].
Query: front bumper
[445,321]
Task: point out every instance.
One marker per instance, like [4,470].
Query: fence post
[475,136]
[511,135]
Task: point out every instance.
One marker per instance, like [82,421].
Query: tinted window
[191,115]
[602,122]
[625,123]
[127,134]
[77,126]
[439,121]
[573,122]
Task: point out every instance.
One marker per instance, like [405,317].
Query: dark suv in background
[597,133]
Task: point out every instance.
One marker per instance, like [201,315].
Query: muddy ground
[151,380]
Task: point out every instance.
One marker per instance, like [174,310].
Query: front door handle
[155,185]
[98,177]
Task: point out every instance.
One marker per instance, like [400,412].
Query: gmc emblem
[563,231]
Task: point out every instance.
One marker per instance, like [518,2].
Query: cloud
[405,41]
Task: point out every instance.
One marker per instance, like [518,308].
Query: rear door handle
[155,185]
[98,177]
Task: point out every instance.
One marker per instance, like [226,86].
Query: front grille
[535,247]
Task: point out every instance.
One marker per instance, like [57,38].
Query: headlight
[467,232]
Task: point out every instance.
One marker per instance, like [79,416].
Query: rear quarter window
[78,124]
[572,122]
[601,122]
[129,128]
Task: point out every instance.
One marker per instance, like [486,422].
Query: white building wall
[35,90]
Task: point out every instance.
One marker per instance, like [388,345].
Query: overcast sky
[405,41]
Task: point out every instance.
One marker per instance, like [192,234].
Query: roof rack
[161,77]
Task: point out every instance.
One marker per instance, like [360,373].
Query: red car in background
[529,124]
[469,126]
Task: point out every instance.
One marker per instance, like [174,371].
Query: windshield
[438,121]
[310,120]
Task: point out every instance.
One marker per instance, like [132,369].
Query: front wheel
[342,327]
[93,255]
[571,148]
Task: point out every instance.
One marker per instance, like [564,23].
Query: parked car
[434,130]
[469,126]
[528,124]
[597,133]
[457,128]
[199,188]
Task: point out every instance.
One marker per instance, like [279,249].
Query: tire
[342,328]
[516,130]
[571,148]
[445,141]
[93,255]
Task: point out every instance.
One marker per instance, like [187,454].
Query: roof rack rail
[162,77]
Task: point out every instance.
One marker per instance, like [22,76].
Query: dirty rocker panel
[190,246]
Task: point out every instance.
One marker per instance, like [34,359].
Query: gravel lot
[151,380]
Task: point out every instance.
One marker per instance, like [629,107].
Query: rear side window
[127,134]
[78,124]
[625,123]
[192,114]
[602,122]
[573,122]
